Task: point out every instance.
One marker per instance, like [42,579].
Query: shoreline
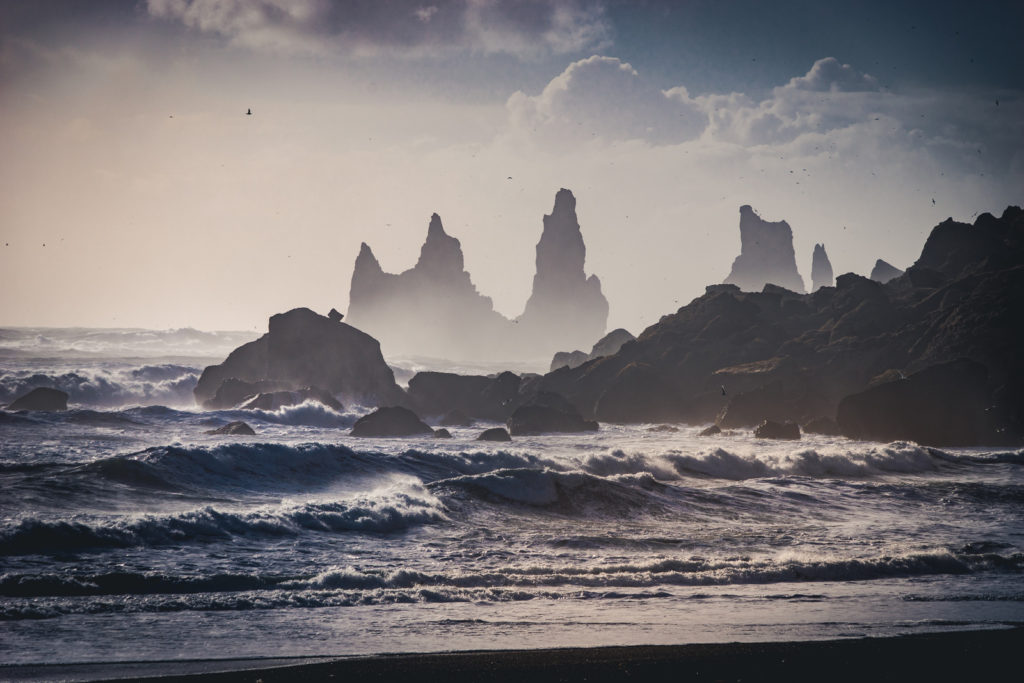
[987,654]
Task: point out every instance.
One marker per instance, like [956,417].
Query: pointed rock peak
[883,272]
[366,260]
[821,269]
[436,229]
[565,203]
[748,210]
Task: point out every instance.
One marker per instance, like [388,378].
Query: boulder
[41,398]
[442,434]
[770,429]
[494,434]
[710,431]
[303,349]
[569,359]
[542,419]
[237,428]
[334,316]
[822,425]
[943,405]
[663,428]
[478,396]
[390,421]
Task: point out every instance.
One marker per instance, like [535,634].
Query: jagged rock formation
[42,399]
[821,269]
[766,255]
[390,421]
[432,309]
[303,349]
[800,355]
[605,346]
[566,308]
[883,272]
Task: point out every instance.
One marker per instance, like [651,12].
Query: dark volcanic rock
[334,316]
[486,398]
[390,421]
[766,255]
[442,434]
[607,345]
[456,418]
[41,398]
[569,359]
[710,431]
[943,405]
[821,269]
[566,309]
[555,416]
[822,425]
[663,428]
[770,429]
[494,434]
[233,391]
[304,349]
[238,428]
[883,272]
[962,299]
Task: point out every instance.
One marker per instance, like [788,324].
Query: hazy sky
[134,190]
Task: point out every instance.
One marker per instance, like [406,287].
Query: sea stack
[883,272]
[566,309]
[766,255]
[821,269]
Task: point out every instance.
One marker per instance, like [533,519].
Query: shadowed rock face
[883,272]
[606,346]
[566,308]
[821,269]
[433,309]
[746,356]
[766,255]
[304,349]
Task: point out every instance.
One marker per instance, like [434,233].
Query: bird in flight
[248,113]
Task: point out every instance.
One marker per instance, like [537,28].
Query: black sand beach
[951,656]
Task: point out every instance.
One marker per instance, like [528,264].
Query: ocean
[128,534]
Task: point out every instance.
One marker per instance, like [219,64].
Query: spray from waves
[77,342]
[309,413]
[109,387]
[44,596]
[719,463]
[386,510]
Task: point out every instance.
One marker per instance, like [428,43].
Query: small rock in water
[237,428]
[663,428]
[777,430]
[494,434]
[710,431]
[41,398]
[442,434]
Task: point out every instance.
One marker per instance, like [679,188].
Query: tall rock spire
[766,255]
[821,269]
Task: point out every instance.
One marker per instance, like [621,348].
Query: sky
[135,190]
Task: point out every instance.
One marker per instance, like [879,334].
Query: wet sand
[949,656]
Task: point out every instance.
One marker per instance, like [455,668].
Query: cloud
[829,75]
[603,97]
[523,29]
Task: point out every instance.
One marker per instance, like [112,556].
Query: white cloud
[829,75]
[398,26]
[603,97]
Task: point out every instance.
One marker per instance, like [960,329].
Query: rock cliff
[883,272]
[766,255]
[821,269]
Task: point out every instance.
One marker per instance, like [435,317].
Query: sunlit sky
[135,190]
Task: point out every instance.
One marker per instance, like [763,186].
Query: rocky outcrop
[303,349]
[442,433]
[473,396]
[770,429]
[607,345]
[566,309]
[548,413]
[237,428]
[883,272]
[390,421]
[766,255]
[42,399]
[433,309]
[960,300]
[713,430]
[943,405]
[494,434]
[821,269]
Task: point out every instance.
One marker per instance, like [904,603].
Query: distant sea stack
[433,309]
[883,272]
[566,308]
[821,269]
[766,255]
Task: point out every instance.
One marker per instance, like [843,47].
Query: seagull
[248,113]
